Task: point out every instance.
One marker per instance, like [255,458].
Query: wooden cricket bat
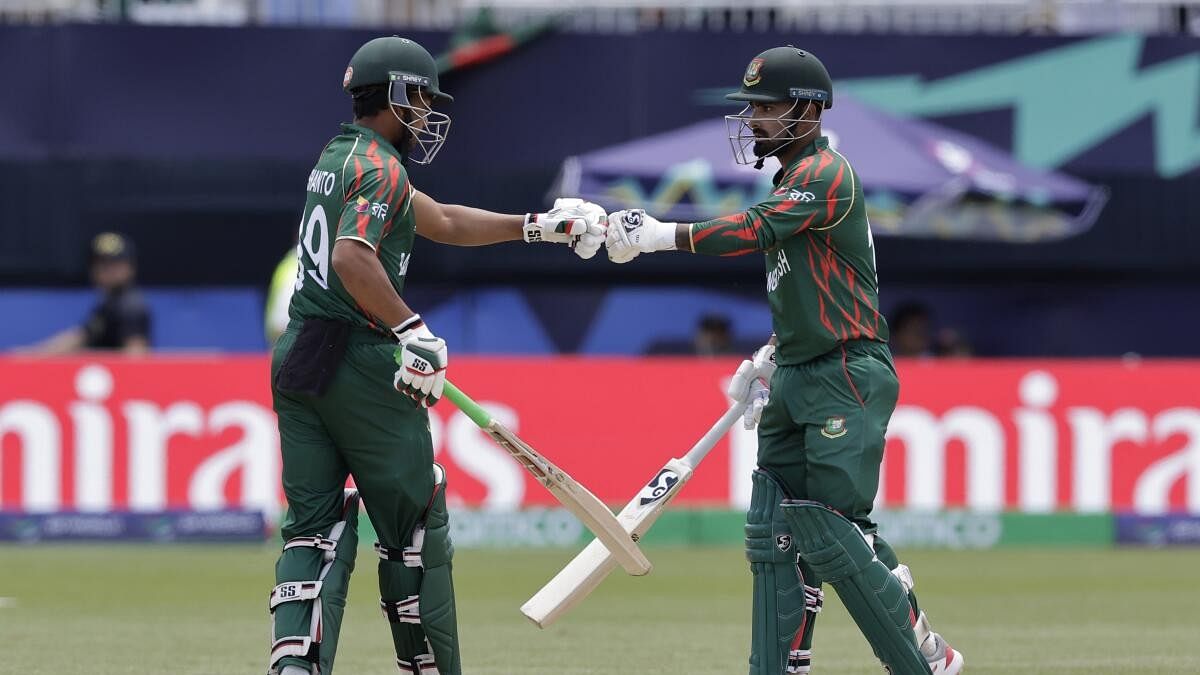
[585,572]
[611,537]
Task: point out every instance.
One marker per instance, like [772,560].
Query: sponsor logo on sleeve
[795,195]
[377,209]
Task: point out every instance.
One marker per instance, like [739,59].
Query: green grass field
[180,610]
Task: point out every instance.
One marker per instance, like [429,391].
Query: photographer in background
[121,320]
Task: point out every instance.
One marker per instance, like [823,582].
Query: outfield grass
[176,610]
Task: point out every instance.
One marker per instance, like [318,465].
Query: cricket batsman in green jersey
[821,392]
[344,407]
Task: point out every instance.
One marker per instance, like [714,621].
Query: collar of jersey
[818,144]
[349,128]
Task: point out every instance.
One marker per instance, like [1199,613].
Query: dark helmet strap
[404,136]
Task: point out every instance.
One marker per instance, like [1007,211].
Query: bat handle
[469,407]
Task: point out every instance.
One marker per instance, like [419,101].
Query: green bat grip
[464,403]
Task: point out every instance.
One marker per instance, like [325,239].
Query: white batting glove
[588,244]
[631,232]
[579,223]
[422,359]
[760,396]
[764,362]
[751,384]
[746,387]
[739,384]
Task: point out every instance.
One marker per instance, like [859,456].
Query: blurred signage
[152,526]
[155,434]
[1178,529]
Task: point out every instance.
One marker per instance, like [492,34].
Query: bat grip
[469,407]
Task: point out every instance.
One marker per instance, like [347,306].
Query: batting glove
[576,222]
[422,359]
[632,232]
[746,387]
[764,362]
[760,396]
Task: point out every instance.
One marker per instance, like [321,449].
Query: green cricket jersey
[820,257]
[358,190]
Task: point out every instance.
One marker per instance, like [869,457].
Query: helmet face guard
[742,139]
[427,126]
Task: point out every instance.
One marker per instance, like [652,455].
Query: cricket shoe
[941,657]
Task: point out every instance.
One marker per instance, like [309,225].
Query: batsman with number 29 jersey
[821,391]
[356,370]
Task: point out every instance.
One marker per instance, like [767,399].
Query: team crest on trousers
[835,427]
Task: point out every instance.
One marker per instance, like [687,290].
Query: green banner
[1058,529]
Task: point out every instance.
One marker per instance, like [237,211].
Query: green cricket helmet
[778,75]
[785,73]
[405,68]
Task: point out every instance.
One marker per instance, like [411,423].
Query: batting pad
[839,554]
[780,611]
[418,592]
[313,575]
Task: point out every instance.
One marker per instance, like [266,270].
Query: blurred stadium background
[1033,173]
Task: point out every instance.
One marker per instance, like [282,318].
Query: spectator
[714,336]
[913,334]
[911,331]
[952,343]
[121,321]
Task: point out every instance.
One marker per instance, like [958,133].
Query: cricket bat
[611,537]
[585,572]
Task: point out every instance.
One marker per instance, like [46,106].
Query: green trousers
[822,437]
[361,427]
[822,434]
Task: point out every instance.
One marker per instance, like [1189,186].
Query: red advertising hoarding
[198,432]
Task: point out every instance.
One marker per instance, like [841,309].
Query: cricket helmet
[388,59]
[404,67]
[785,75]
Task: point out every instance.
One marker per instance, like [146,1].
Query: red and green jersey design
[358,190]
[820,256]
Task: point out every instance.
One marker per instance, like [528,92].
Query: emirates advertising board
[197,434]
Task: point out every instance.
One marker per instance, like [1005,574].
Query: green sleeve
[375,199]
[816,195]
